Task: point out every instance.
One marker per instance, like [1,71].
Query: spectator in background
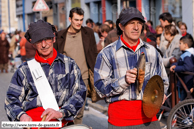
[150,25]
[22,46]
[8,36]
[173,37]
[79,43]
[165,19]
[159,29]
[30,51]
[112,36]
[104,29]
[96,32]
[147,34]
[185,64]
[4,52]
[110,24]
[149,37]
[13,43]
[183,28]
[158,39]
[91,24]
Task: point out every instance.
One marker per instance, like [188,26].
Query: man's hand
[191,90]
[51,114]
[130,76]
[25,117]
[172,68]
[164,99]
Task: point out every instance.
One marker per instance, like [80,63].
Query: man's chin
[77,28]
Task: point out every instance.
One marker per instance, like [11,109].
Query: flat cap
[130,13]
[39,30]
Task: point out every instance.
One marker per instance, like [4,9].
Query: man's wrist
[62,114]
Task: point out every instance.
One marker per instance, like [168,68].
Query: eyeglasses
[47,40]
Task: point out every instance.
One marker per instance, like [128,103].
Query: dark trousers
[150,125]
[79,117]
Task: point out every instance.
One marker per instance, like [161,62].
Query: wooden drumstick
[43,119]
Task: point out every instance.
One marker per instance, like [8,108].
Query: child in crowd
[158,39]
[185,63]
[159,29]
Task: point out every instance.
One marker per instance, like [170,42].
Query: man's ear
[166,22]
[69,19]
[54,39]
[121,26]
[34,46]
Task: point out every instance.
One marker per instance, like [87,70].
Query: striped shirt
[65,80]
[113,62]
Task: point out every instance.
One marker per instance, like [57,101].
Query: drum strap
[42,85]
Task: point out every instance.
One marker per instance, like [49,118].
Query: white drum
[78,126]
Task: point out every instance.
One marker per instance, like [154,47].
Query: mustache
[44,48]
[135,31]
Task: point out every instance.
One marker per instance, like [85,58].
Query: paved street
[95,119]
[96,116]
[4,82]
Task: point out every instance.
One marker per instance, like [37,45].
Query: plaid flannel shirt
[65,80]
[113,62]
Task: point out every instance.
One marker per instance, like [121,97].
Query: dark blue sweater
[185,64]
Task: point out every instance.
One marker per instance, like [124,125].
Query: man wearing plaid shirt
[115,74]
[23,101]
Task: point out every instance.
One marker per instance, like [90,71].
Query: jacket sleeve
[107,40]
[14,97]
[187,65]
[93,50]
[77,92]
[105,83]
[176,53]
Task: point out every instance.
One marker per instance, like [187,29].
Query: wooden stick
[43,119]
[159,118]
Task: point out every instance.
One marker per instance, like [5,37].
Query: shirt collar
[121,44]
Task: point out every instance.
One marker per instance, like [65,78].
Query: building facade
[151,9]
[97,10]
[8,20]
[56,15]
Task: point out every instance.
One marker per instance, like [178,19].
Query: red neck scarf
[184,34]
[131,47]
[49,60]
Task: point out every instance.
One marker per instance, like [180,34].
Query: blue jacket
[186,64]
[65,80]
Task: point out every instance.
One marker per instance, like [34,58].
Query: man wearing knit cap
[115,74]
[25,99]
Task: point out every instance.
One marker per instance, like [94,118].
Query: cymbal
[153,96]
